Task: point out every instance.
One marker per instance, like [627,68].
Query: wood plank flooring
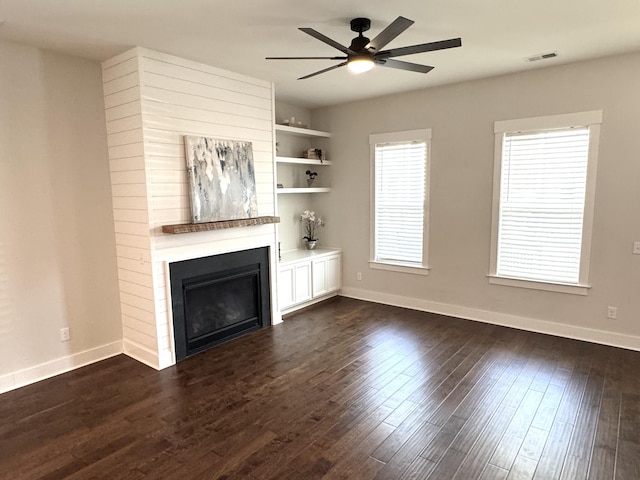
[345,390]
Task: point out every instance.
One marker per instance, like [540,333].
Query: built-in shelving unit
[304,276]
[291,171]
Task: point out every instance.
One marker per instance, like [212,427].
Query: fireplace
[218,298]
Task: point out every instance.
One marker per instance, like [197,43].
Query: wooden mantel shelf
[205,227]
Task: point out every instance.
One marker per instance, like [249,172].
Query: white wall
[57,251]
[152,100]
[462,117]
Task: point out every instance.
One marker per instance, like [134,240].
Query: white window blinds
[400,170]
[542,202]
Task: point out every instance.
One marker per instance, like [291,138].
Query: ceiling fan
[363,53]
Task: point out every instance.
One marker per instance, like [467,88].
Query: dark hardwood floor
[345,390]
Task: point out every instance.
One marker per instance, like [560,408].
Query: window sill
[400,267]
[547,287]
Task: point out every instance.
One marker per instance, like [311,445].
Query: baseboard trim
[495,318]
[308,303]
[141,354]
[55,367]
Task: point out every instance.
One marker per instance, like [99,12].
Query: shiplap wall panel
[186,86]
[182,99]
[165,57]
[133,203]
[165,164]
[125,141]
[219,79]
[123,124]
[132,228]
[127,151]
[130,215]
[118,59]
[137,290]
[125,138]
[129,190]
[141,326]
[201,115]
[168,215]
[126,177]
[141,279]
[120,84]
[165,139]
[120,69]
[133,265]
[138,241]
[201,128]
[169,172]
[176,149]
[152,101]
[134,253]
[139,338]
[123,110]
[138,302]
[121,97]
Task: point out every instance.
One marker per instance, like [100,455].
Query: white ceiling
[497,36]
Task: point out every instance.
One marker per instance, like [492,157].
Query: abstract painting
[221,179]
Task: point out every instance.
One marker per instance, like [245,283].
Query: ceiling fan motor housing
[360,24]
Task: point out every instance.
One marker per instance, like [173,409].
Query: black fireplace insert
[218,298]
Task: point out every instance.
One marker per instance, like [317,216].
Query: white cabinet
[326,274]
[286,286]
[306,277]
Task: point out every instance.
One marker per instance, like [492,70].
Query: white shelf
[301,132]
[304,190]
[302,161]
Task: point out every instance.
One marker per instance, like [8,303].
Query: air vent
[543,56]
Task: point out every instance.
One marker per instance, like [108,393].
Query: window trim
[591,119]
[393,137]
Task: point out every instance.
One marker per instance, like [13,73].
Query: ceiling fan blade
[394,29]
[323,71]
[305,58]
[424,47]
[323,38]
[412,67]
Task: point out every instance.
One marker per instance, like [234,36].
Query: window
[544,186]
[399,200]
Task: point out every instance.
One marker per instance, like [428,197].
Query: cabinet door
[319,277]
[286,284]
[302,285]
[334,274]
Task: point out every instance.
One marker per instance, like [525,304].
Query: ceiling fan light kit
[362,54]
[360,64]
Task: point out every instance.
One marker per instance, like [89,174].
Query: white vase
[310,244]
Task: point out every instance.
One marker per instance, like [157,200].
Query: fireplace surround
[219,297]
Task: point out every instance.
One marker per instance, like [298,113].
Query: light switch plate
[636,248]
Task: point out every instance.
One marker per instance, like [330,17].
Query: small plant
[309,224]
[311,175]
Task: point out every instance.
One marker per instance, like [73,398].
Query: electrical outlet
[64,334]
[636,248]
[612,312]
[359,276]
